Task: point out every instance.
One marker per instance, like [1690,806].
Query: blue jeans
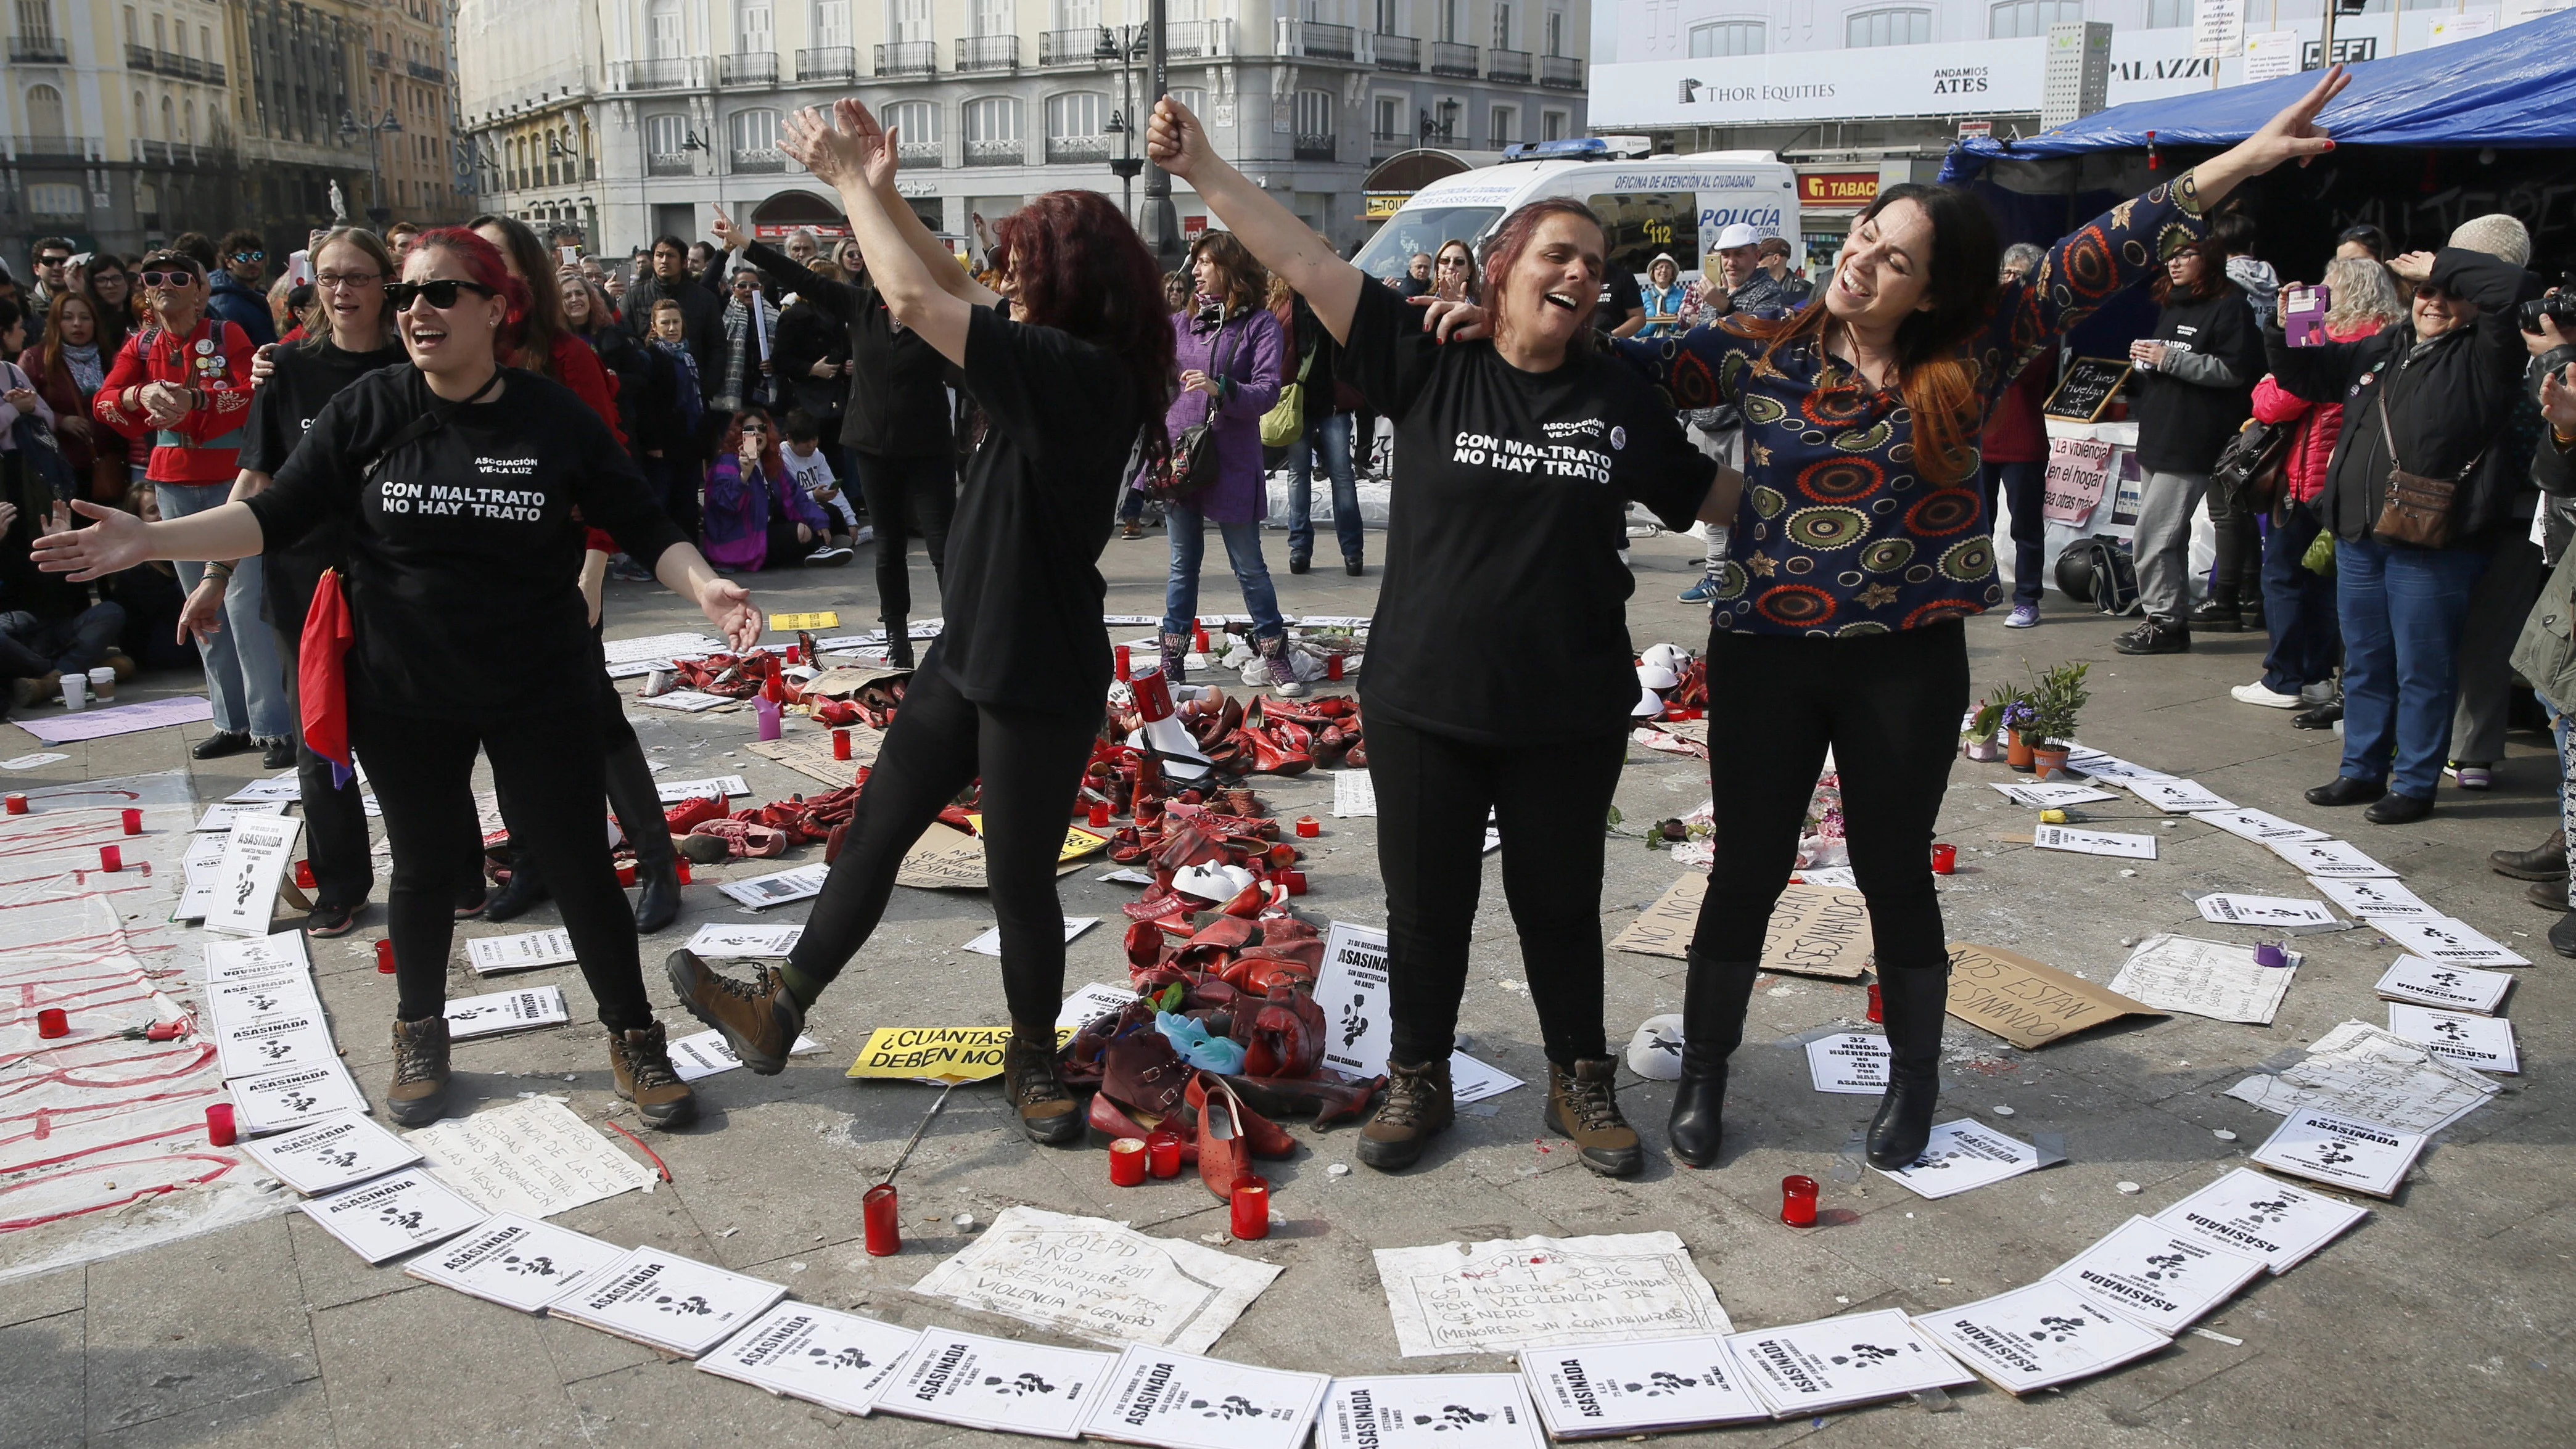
[1243,549]
[2401,610]
[244,680]
[2019,483]
[30,647]
[1330,437]
[2298,608]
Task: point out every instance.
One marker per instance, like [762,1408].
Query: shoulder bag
[1286,423]
[1190,466]
[2248,470]
[2418,509]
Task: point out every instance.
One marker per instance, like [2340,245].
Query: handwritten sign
[1511,1294]
[2087,388]
[1101,1280]
[2025,1003]
[2079,473]
[534,1157]
[811,754]
[938,1054]
[1814,930]
[947,859]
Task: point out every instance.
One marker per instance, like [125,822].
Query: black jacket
[898,404]
[2190,407]
[2446,401]
[1308,337]
[701,312]
[626,359]
[661,425]
[802,338]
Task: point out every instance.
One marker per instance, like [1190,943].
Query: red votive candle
[51,1022]
[1250,1220]
[219,1124]
[795,655]
[1876,1011]
[1124,673]
[111,858]
[1295,880]
[1163,1153]
[1332,666]
[1945,859]
[1308,827]
[1127,1161]
[626,875]
[1099,814]
[385,957]
[684,872]
[884,1221]
[17,804]
[840,744]
[134,822]
[304,874]
[1798,1201]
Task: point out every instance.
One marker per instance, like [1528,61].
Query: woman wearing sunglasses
[457,478]
[181,387]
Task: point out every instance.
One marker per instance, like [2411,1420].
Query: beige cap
[2497,235]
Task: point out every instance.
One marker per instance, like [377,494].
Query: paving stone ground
[2445,1320]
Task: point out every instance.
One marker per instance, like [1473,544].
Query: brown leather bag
[2418,509]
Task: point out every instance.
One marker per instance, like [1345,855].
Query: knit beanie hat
[2497,235]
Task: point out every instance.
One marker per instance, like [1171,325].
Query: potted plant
[1978,739]
[2055,699]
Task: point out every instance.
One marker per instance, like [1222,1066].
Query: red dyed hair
[484,265]
[770,462]
[1513,237]
[1077,266]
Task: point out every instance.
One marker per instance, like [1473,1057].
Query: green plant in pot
[2055,698]
[1989,721]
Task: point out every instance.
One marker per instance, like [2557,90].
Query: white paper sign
[990,943]
[1834,1362]
[1838,876]
[1418,1411]
[1473,1081]
[200,871]
[2453,988]
[2361,1070]
[274,1043]
[1352,990]
[2160,1277]
[516,1262]
[716,942]
[686,701]
[533,1156]
[669,1302]
[779,887]
[255,859]
[1964,1155]
[257,957]
[659,648]
[1639,1388]
[222,817]
[2179,797]
[1182,1401]
[2094,842]
[2109,767]
[2280,912]
[2254,1213]
[2260,826]
[2031,1338]
[29,762]
[524,951]
[1091,1003]
[1510,1294]
[2451,942]
[1095,1279]
[2051,794]
[332,1153]
[2374,900]
[275,1101]
[1852,1062]
[839,1360]
[490,1015]
[675,791]
[2271,54]
[238,1003]
[2483,1042]
[2217,29]
[2341,1151]
[1354,794]
[2339,859]
[393,1214]
[2205,978]
[707,1053]
[995,1383]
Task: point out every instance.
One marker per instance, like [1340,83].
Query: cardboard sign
[2025,1003]
[1818,931]
[2264,1216]
[2156,1276]
[2035,1337]
[516,1262]
[1511,1294]
[1832,1363]
[809,753]
[2341,1151]
[1639,1388]
[332,1153]
[2451,988]
[1965,1155]
[998,1384]
[256,854]
[839,1360]
[2087,388]
[1665,927]
[1183,1401]
[939,1054]
[393,1214]
[2483,1042]
[790,623]
[666,1302]
[1421,1411]
[2079,473]
[1352,991]
[948,859]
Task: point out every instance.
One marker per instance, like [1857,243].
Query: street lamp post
[377,211]
[1123,123]
[1160,222]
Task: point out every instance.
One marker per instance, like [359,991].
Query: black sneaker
[327,922]
[2155,636]
[2217,618]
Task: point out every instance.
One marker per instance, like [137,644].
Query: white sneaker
[2257,693]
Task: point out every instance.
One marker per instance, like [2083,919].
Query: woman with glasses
[181,388]
[457,478]
[111,285]
[1453,272]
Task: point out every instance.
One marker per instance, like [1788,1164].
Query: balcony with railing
[421,70]
[1561,72]
[988,52]
[1316,40]
[919,155]
[37,50]
[748,68]
[1077,148]
[758,161]
[1190,39]
[1011,152]
[1509,66]
[668,163]
[1398,52]
[175,66]
[380,60]
[1076,47]
[1314,148]
[64,151]
[828,63]
[1448,57]
[670,73]
[908,57]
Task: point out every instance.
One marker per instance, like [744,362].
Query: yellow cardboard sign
[1078,842]
[937,1054]
[790,623]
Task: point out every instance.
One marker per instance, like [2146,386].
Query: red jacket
[214,360]
[2014,431]
[577,367]
[62,394]
[2303,471]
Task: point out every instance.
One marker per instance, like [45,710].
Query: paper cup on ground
[75,691]
[102,682]
[1655,1052]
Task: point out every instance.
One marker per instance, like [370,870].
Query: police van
[1675,204]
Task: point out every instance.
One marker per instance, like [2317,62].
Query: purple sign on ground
[125,719]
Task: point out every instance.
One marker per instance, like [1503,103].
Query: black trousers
[1551,803]
[1888,705]
[548,761]
[906,496]
[335,820]
[1031,763]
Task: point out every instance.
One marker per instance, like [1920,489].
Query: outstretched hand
[728,606]
[2294,133]
[1174,139]
[115,543]
[842,145]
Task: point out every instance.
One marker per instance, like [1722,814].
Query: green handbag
[1285,423]
[2319,559]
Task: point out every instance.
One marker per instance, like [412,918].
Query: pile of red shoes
[767,831]
[1273,736]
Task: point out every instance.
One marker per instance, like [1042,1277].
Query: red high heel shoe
[1261,1136]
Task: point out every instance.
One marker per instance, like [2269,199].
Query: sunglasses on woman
[169,279]
[441,294]
[2430,293]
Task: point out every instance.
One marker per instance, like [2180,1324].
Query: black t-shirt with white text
[1504,588]
[280,412]
[463,550]
[1620,295]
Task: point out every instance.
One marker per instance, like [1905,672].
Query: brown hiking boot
[1036,1089]
[1583,1105]
[641,1063]
[419,1092]
[1417,1108]
[759,1019]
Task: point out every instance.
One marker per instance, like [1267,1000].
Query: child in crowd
[812,472]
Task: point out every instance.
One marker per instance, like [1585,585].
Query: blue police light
[1580,148]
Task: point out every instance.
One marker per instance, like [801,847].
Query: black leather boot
[519,894]
[638,803]
[1915,1001]
[1713,1004]
[899,643]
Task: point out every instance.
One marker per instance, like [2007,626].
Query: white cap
[1737,234]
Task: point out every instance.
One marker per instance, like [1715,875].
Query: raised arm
[848,151]
[119,540]
[1175,141]
[784,271]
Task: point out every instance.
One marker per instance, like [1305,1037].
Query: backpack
[2248,470]
[2099,571]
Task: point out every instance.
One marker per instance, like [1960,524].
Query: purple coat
[1255,357]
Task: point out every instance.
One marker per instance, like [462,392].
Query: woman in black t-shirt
[1012,692]
[1515,462]
[458,479]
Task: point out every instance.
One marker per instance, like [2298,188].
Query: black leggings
[1889,706]
[1031,763]
[335,820]
[1552,804]
[906,496]
[549,762]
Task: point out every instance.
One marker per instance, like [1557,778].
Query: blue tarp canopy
[2516,87]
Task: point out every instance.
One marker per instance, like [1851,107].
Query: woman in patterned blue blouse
[1860,546]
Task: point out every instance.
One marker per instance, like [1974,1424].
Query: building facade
[636,118]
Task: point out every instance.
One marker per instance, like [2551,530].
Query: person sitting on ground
[757,518]
[812,473]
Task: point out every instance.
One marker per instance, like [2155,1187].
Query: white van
[1675,204]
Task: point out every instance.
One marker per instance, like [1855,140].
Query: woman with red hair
[458,478]
[1012,692]
[757,518]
